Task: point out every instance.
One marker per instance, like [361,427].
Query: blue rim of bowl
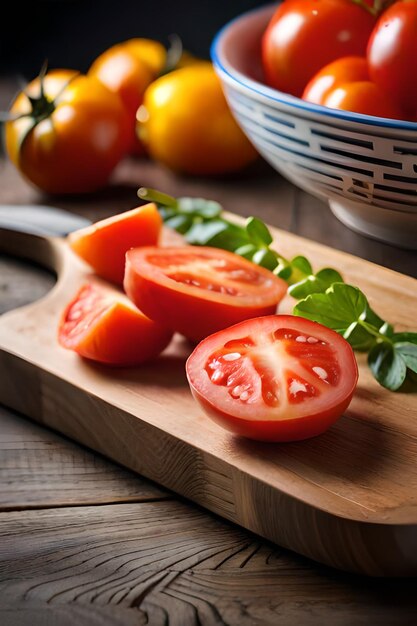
[283,98]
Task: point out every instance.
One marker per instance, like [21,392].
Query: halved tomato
[103,325]
[275,378]
[198,291]
[104,244]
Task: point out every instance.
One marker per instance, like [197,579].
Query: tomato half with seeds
[199,290]
[275,378]
[101,324]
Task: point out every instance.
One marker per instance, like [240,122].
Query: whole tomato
[186,124]
[69,133]
[305,35]
[392,54]
[344,70]
[127,69]
[363,97]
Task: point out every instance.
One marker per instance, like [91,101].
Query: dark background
[71,33]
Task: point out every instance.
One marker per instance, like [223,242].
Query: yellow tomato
[127,69]
[186,124]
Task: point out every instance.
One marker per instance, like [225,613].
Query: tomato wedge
[198,291]
[104,244]
[275,378]
[103,325]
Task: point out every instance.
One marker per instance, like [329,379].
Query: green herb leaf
[180,223]
[258,232]
[283,270]
[266,258]
[342,307]
[207,209]
[408,352]
[247,251]
[317,283]
[339,307]
[372,318]
[302,264]
[203,233]
[408,337]
[217,233]
[387,365]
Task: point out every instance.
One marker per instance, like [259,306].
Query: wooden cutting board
[347,498]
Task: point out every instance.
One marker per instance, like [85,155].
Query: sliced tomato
[275,378]
[198,291]
[103,325]
[104,244]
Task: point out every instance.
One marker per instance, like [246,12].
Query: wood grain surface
[335,498]
[125,564]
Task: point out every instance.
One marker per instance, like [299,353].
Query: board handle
[44,251]
[35,233]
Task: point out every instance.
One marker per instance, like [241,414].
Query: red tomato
[345,70]
[363,97]
[103,325]
[70,136]
[104,244]
[305,35]
[275,378]
[197,291]
[392,53]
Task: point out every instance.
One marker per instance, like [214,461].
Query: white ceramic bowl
[365,166]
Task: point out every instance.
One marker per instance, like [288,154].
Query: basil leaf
[327,276]
[266,258]
[283,271]
[359,338]
[408,351]
[258,232]
[180,223]
[317,283]
[217,233]
[202,233]
[207,209]
[166,212]
[339,307]
[247,251]
[372,318]
[387,365]
[302,264]
[408,337]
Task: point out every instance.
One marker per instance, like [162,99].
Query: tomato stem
[174,54]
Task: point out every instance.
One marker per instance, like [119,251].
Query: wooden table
[84,541]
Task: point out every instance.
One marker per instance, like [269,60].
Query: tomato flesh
[101,324]
[198,291]
[104,244]
[275,378]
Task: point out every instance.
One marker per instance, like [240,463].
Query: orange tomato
[363,97]
[69,138]
[186,124]
[344,70]
[101,324]
[127,69]
[104,244]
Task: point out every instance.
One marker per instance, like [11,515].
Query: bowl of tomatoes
[323,90]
